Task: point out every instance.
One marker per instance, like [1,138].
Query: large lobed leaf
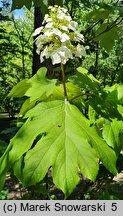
[66,143]
[19,4]
[107,39]
[40,85]
[115,93]
[98,14]
[84,80]
[3,169]
[20,89]
[111,133]
[35,87]
[105,104]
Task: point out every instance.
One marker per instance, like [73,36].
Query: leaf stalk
[82,94]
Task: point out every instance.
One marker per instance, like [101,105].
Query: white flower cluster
[58,38]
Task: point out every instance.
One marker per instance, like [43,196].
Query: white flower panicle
[58,38]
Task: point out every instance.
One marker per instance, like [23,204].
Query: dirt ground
[17,193]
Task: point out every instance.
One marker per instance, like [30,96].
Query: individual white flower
[73,25]
[49,25]
[46,17]
[80,51]
[65,28]
[50,7]
[64,37]
[53,8]
[62,16]
[39,47]
[55,58]
[37,31]
[40,40]
[61,55]
[48,33]
[83,51]
[64,10]
[53,31]
[44,53]
[79,36]
[49,20]
[57,32]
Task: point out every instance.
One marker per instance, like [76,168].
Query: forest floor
[115,186]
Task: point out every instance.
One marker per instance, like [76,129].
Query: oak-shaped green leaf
[37,87]
[27,105]
[40,85]
[84,80]
[91,115]
[20,89]
[72,89]
[105,104]
[67,143]
[116,93]
[98,14]
[3,169]
[107,39]
[111,133]
[19,4]
[55,94]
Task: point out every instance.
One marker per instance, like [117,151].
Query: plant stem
[64,81]
[82,94]
[109,27]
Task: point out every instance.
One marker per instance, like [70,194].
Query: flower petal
[37,31]
[80,51]
[55,58]
[64,37]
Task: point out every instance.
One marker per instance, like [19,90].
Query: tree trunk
[37,23]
